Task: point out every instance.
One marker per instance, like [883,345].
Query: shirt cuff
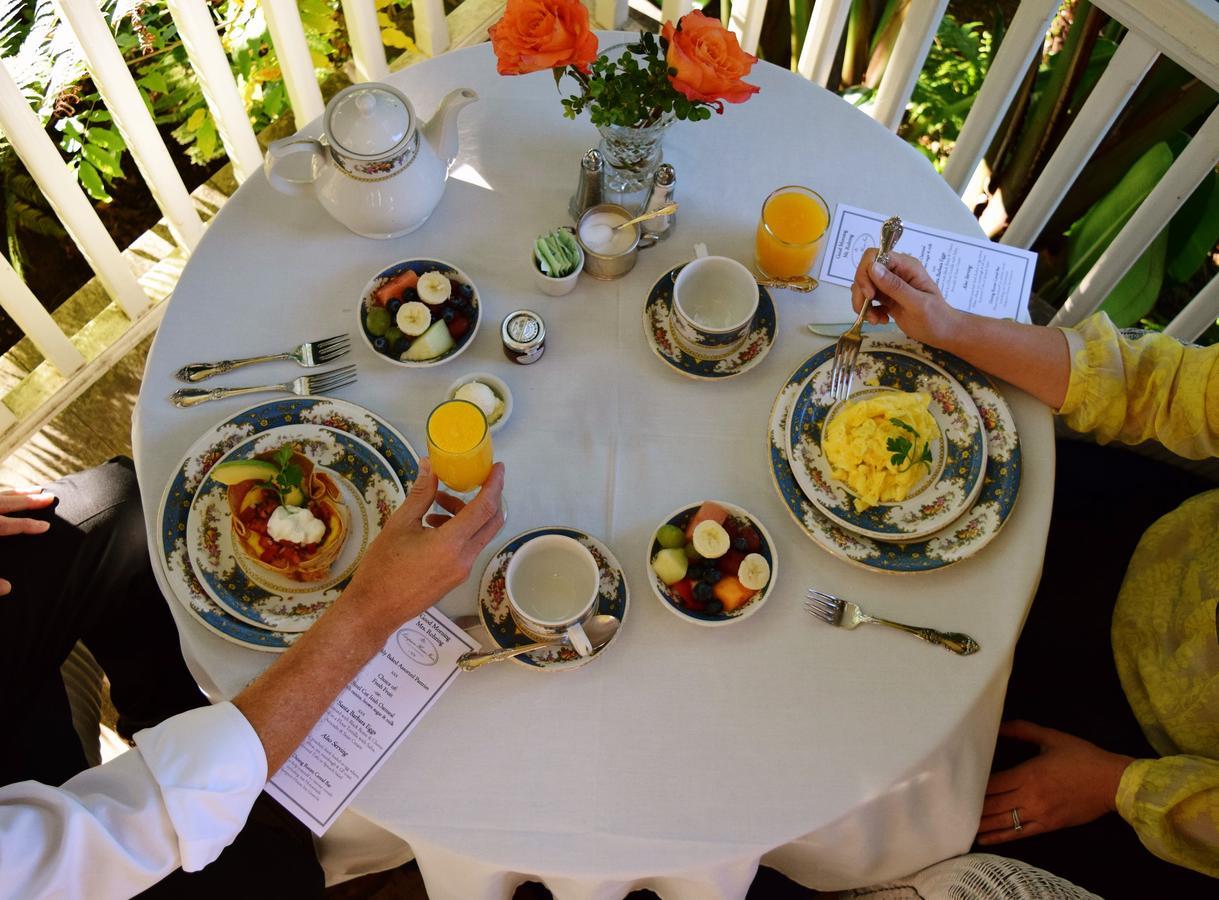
[1128,789]
[210,766]
[1075,346]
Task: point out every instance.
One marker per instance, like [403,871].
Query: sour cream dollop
[295,525]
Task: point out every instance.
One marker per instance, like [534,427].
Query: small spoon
[802,283]
[599,630]
[666,210]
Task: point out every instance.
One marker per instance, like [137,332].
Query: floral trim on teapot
[378,169]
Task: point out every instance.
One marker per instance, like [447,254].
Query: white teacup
[552,583]
[715,300]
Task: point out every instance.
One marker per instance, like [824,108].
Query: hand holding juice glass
[459,444]
[790,232]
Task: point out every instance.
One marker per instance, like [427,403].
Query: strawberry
[730,562]
[753,540]
[458,327]
[684,590]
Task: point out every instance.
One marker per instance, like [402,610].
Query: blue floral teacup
[715,300]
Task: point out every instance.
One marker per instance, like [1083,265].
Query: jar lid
[523,328]
[369,120]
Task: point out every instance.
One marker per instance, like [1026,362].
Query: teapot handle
[280,150]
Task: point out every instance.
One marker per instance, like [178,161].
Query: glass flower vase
[632,154]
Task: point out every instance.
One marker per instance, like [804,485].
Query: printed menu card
[974,274]
[369,718]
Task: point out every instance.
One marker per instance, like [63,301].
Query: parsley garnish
[903,448]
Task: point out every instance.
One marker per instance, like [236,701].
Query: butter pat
[295,525]
[484,398]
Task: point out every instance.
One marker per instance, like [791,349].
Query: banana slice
[434,288]
[754,572]
[711,540]
[414,318]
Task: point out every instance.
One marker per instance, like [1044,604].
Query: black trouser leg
[88,578]
[1064,675]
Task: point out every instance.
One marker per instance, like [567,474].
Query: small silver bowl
[606,266]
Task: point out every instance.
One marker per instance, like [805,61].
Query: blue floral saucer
[664,344]
[613,600]
[370,492]
[959,540]
[210,448]
[951,481]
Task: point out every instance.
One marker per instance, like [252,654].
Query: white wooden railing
[1185,30]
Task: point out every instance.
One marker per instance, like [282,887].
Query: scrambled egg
[857,445]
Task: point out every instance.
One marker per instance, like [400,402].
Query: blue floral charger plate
[664,344]
[959,540]
[210,449]
[612,600]
[950,483]
[370,492]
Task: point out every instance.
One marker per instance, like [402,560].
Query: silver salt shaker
[588,190]
[664,184]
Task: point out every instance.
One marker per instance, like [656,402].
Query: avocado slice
[236,471]
[294,497]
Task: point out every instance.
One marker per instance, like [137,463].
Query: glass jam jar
[524,336]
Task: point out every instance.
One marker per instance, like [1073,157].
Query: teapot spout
[441,131]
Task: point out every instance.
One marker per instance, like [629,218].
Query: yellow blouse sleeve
[1152,387]
[1173,804]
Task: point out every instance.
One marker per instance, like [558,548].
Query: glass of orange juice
[459,444]
[791,230]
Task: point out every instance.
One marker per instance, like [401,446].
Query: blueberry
[713,607]
[702,592]
[449,314]
[410,295]
[739,545]
[465,291]
[401,346]
[712,575]
[393,306]
[380,344]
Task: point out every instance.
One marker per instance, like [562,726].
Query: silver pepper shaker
[588,190]
[664,185]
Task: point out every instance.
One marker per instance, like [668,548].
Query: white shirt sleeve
[177,800]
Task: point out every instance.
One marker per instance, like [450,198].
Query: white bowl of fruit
[712,563]
[419,312]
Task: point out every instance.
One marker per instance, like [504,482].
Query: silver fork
[304,386]
[846,351]
[848,615]
[309,354]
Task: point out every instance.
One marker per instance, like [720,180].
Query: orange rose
[709,62]
[543,34]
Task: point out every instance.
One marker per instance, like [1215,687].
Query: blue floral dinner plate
[950,482]
[959,540]
[613,600]
[664,344]
[209,449]
[370,492]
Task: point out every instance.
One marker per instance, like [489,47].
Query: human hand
[409,567]
[20,501]
[907,294]
[1069,782]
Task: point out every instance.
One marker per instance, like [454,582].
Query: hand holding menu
[368,720]
[974,274]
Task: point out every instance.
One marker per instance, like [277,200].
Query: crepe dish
[287,515]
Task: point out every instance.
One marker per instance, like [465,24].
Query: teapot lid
[369,120]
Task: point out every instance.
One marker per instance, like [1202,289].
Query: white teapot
[376,168]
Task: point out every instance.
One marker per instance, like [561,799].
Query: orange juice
[790,231]
[459,443]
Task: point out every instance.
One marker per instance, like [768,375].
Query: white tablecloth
[684,755]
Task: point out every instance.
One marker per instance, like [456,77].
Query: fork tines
[330,348]
[330,380]
[824,606]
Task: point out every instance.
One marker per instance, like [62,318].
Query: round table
[684,755]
